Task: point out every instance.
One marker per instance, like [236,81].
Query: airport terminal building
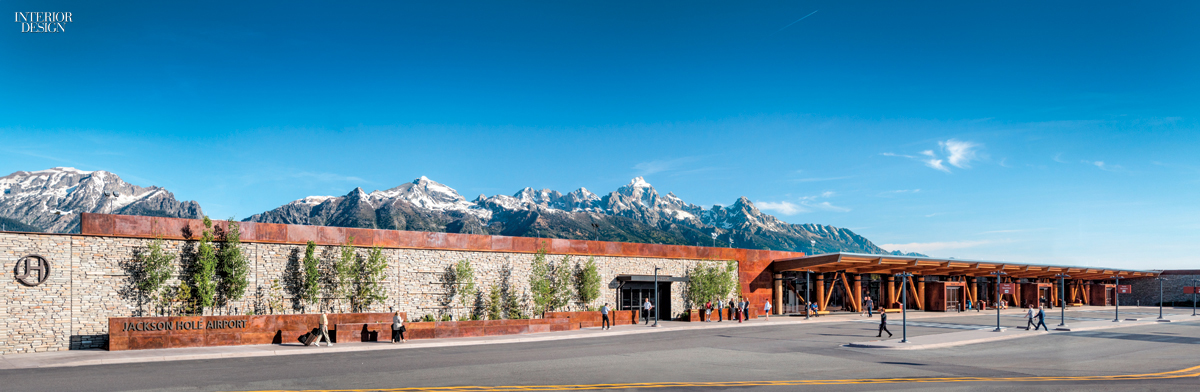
[64,288]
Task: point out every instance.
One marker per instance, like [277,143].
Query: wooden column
[891,292]
[777,306]
[971,289]
[858,292]
[820,289]
[921,292]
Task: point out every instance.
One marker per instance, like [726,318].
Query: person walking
[767,310]
[647,306]
[604,323]
[720,307]
[324,332]
[1041,316]
[883,324]
[708,311]
[398,328]
[1029,318]
[869,305]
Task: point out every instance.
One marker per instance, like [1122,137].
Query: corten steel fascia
[128,226]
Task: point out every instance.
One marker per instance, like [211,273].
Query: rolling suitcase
[309,337]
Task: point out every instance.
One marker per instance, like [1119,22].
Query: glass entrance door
[1108,295]
[953,296]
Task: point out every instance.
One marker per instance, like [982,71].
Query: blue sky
[1057,133]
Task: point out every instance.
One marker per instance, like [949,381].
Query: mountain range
[51,200]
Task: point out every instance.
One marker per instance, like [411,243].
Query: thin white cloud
[1104,166]
[936,164]
[957,153]
[1058,158]
[827,207]
[782,207]
[961,153]
[929,247]
[812,203]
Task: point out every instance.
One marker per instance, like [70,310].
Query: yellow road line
[1181,373]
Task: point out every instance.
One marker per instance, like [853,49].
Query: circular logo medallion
[32,270]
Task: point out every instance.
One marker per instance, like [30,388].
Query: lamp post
[1062,298]
[904,305]
[714,236]
[656,295]
[1194,290]
[1160,279]
[812,246]
[998,273]
[807,297]
[1117,299]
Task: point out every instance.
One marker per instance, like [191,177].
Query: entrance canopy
[883,264]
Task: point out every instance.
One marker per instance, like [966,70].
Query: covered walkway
[844,280]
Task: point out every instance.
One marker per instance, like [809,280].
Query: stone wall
[90,282]
[1145,290]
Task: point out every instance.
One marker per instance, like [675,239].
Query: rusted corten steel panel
[138,333]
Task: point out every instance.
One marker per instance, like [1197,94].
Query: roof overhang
[890,264]
[650,278]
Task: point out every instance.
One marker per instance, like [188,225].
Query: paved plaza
[781,354]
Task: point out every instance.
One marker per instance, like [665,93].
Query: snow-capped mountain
[635,212]
[51,200]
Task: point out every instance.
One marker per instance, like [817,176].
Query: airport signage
[1191,290]
[1124,289]
[1008,288]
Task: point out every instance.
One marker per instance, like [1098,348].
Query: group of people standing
[738,310]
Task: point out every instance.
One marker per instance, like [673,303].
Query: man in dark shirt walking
[1041,316]
[883,324]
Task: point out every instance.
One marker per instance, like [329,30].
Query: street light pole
[1160,279]
[656,295]
[904,306]
[1194,290]
[998,273]
[1062,298]
[1117,299]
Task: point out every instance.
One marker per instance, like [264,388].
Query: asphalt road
[766,353]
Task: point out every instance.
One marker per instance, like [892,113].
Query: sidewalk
[103,357]
[100,357]
[990,335]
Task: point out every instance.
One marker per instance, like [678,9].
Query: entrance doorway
[953,296]
[633,294]
[1108,296]
[1044,294]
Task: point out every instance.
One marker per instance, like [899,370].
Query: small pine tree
[233,271]
[204,275]
[494,304]
[312,275]
[589,283]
